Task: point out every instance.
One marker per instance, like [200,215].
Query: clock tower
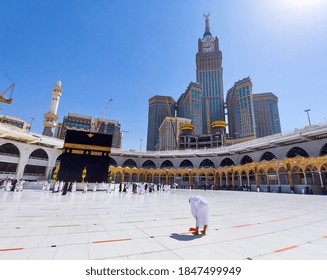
[209,74]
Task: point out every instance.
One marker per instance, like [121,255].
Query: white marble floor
[155,226]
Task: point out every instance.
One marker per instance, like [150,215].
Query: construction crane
[171,119]
[101,119]
[9,100]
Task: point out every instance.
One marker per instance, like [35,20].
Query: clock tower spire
[207,29]
[209,73]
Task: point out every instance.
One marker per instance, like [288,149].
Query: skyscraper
[189,105]
[209,73]
[239,101]
[266,114]
[169,131]
[159,108]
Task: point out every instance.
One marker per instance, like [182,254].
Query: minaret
[51,117]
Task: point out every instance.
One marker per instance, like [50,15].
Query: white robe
[142,189]
[95,187]
[56,186]
[8,186]
[74,187]
[109,188]
[45,184]
[21,185]
[200,210]
[61,185]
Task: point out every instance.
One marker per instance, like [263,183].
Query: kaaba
[85,157]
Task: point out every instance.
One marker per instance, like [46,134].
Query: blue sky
[131,50]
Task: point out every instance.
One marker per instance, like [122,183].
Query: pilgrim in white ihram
[200,211]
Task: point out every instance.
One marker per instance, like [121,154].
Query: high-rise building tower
[50,118]
[189,106]
[239,101]
[159,108]
[266,114]
[169,131]
[209,73]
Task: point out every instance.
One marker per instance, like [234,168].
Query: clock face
[208,47]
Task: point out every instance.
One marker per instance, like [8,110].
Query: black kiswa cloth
[88,138]
[85,149]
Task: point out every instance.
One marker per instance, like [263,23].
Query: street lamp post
[32,119]
[141,144]
[122,136]
[307,111]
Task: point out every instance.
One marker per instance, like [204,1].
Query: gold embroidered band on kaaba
[87,147]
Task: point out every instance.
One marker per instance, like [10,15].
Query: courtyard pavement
[38,225]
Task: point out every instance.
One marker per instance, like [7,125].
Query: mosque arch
[127,177]
[262,177]
[178,178]
[210,179]
[58,160]
[149,178]
[246,159]
[312,175]
[186,164]
[229,179]
[118,177]
[283,176]
[149,164]
[217,180]
[112,162]
[39,154]
[272,176]
[251,180]
[227,162]
[171,178]
[296,151]
[323,150]
[9,149]
[167,164]
[244,178]
[223,180]
[186,180]
[268,156]
[202,179]
[135,177]
[297,175]
[141,178]
[129,163]
[207,163]
[193,178]
[237,178]
[163,178]
[156,178]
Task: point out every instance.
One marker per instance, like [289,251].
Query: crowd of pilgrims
[64,187]
[135,188]
[12,185]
